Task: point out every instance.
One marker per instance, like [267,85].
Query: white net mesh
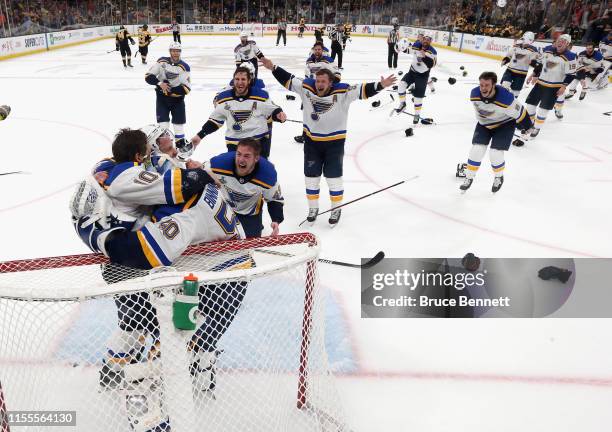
[78,334]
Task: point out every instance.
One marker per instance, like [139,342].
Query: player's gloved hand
[116,47]
[185,150]
[132,42]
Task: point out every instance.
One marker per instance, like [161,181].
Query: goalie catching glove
[5,110]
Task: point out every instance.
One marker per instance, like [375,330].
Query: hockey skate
[497,184]
[467,183]
[461,167]
[399,109]
[334,218]
[416,119]
[570,94]
[582,95]
[312,215]
[559,114]
[534,133]
[299,139]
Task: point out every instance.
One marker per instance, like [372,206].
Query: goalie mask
[159,138]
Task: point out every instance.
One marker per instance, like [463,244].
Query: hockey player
[318,60]
[248,181]
[325,114]
[522,55]
[301,28]
[176,32]
[319,33]
[347,35]
[335,35]
[246,110]
[424,59]
[247,50]
[171,77]
[555,69]
[605,48]
[121,44]
[590,65]
[498,114]
[392,53]
[144,40]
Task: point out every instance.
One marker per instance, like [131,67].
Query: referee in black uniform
[392,39]
[336,46]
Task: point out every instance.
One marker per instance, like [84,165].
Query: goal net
[79,334]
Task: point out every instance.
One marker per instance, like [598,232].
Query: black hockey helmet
[145,27]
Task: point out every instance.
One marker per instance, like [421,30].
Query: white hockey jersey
[246,52]
[419,53]
[133,191]
[177,75]
[246,116]
[501,109]
[325,117]
[590,63]
[246,195]
[205,218]
[521,56]
[557,68]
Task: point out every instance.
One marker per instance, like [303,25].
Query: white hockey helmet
[403,44]
[250,67]
[528,37]
[175,46]
[427,36]
[153,133]
[566,38]
[244,35]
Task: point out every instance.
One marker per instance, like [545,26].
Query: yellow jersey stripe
[147,250]
[176,186]
[259,182]
[222,171]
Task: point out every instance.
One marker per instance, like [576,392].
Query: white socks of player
[336,193]
[475,157]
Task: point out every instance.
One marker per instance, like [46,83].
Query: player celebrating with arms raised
[326,105]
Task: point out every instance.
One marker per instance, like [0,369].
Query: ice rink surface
[421,375]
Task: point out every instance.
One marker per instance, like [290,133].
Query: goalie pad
[90,201]
[144,406]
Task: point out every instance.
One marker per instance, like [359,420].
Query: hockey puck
[461,67]
[464,73]
[290,97]
[434,79]
[400,73]
[376,104]
[470,262]
[452,80]
[409,132]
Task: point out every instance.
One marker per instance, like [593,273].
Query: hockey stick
[364,196]
[14,172]
[108,52]
[370,263]
[294,121]
[150,42]
[609,113]
[425,121]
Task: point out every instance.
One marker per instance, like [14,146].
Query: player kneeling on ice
[590,65]
[498,114]
[326,105]
[248,180]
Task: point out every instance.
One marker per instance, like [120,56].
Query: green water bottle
[185,305]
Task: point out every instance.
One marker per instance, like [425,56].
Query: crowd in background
[583,19]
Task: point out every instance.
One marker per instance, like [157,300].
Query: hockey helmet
[175,46]
[250,67]
[528,37]
[244,35]
[566,38]
[154,132]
